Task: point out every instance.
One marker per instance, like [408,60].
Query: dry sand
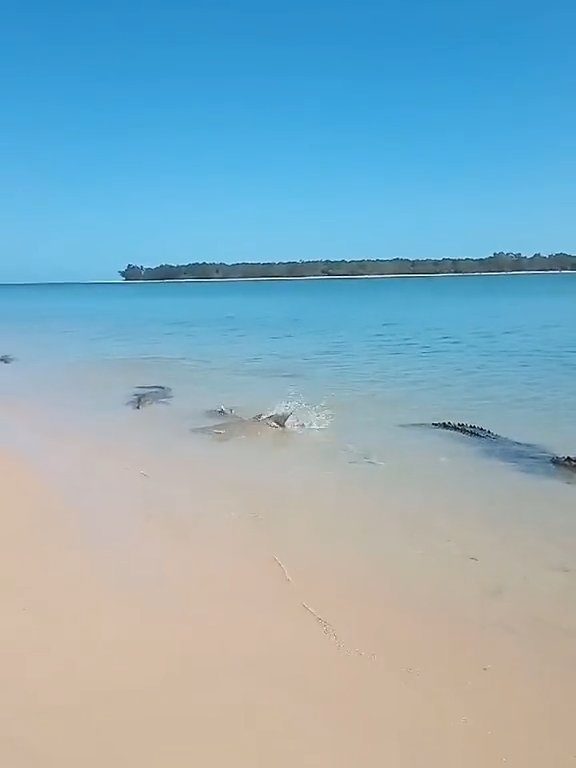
[199,644]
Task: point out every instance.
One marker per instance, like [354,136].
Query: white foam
[305,415]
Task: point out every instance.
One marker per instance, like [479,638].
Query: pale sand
[309,277]
[198,643]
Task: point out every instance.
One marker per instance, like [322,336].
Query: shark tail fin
[279,419]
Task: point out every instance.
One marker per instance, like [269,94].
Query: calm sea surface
[356,358]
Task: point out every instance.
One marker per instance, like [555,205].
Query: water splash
[305,415]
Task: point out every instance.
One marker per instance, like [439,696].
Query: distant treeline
[498,262]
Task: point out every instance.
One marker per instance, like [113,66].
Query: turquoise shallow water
[405,549]
[358,357]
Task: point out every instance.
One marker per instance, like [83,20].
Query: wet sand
[195,626]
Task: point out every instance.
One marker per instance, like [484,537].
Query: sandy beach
[308,277]
[211,640]
[301,506]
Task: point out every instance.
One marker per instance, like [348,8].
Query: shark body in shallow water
[239,426]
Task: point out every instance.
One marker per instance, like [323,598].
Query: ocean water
[495,349]
[350,494]
[408,549]
[356,360]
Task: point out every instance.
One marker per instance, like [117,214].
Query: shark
[236,425]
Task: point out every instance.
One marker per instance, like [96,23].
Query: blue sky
[184,131]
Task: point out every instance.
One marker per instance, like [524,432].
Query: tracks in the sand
[327,628]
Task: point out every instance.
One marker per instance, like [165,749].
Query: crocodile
[565,462]
[149,394]
[528,457]
[472,430]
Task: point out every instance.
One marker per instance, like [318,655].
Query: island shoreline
[299,278]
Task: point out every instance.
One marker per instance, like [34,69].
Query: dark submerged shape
[565,462]
[472,430]
[148,395]
[528,457]
[222,410]
[7,359]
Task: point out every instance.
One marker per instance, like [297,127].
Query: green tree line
[498,262]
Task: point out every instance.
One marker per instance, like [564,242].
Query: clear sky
[255,130]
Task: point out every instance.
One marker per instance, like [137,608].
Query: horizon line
[285,278]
